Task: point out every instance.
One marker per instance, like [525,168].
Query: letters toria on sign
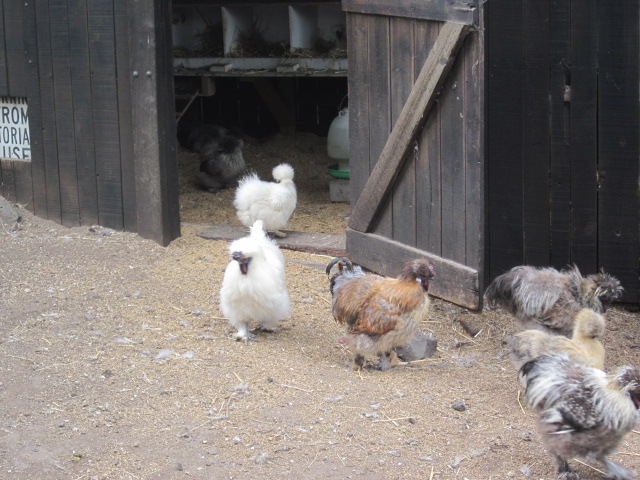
[15,142]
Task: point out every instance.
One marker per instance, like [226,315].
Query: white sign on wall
[15,143]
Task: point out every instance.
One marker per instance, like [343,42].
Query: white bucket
[338,139]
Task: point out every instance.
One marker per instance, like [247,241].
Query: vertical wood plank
[22,171]
[505,115]
[47,111]
[4,74]
[167,125]
[125,121]
[64,111]
[38,204]
[453,162]
[380,103]
[101,29]
[403,203]
[560,152]
[535,140]
[83,127]
[474,147]
[14,47]
[156,182]
[8,180]
[618,149]
[429,189]
[583,134]
[358,84]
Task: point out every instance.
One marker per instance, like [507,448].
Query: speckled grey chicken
[380,313]
[220,152]
[584,346]
[582,412]
[548,299]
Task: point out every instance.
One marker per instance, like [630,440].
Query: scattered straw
[628,453]
[392,419]
[589,466]
[431,475]
[296,388]
[238,377]
[314,459]
[520,403]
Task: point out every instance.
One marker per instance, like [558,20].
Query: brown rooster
[547,299]
[582,412]
[380,313]
[584,346]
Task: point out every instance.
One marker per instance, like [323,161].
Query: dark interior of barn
[279,75]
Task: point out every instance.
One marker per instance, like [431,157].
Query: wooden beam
[421,99]
[454,282]
[458,11]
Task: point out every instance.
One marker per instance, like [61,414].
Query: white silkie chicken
[254,284]
[271,202]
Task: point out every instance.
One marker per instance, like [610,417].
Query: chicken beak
[243,262]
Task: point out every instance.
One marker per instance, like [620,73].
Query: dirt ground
[116,363]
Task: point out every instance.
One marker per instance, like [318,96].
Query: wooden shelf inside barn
[259,40]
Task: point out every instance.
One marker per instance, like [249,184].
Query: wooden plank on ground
[64,112]
[618,148]
[454,282]
[583,134]
[83,127]
[458,11]
[429,188]
[505,42]
[535,140]
[318,243]
[560,152]
[410,121]
[403,197]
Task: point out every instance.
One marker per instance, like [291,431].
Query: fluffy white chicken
[254,284]
[271,202]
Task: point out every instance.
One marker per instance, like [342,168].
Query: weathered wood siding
[436,206]
[102,138]
[563,122]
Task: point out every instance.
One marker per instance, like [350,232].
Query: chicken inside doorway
[305,152]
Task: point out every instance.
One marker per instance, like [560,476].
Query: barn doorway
[245,68]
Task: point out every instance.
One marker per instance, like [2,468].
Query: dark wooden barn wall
[72,61]
[437,203]
[563,122]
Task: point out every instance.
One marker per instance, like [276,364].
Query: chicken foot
[564,470]
[243,334]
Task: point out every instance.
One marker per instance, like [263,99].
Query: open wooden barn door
[416,97]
